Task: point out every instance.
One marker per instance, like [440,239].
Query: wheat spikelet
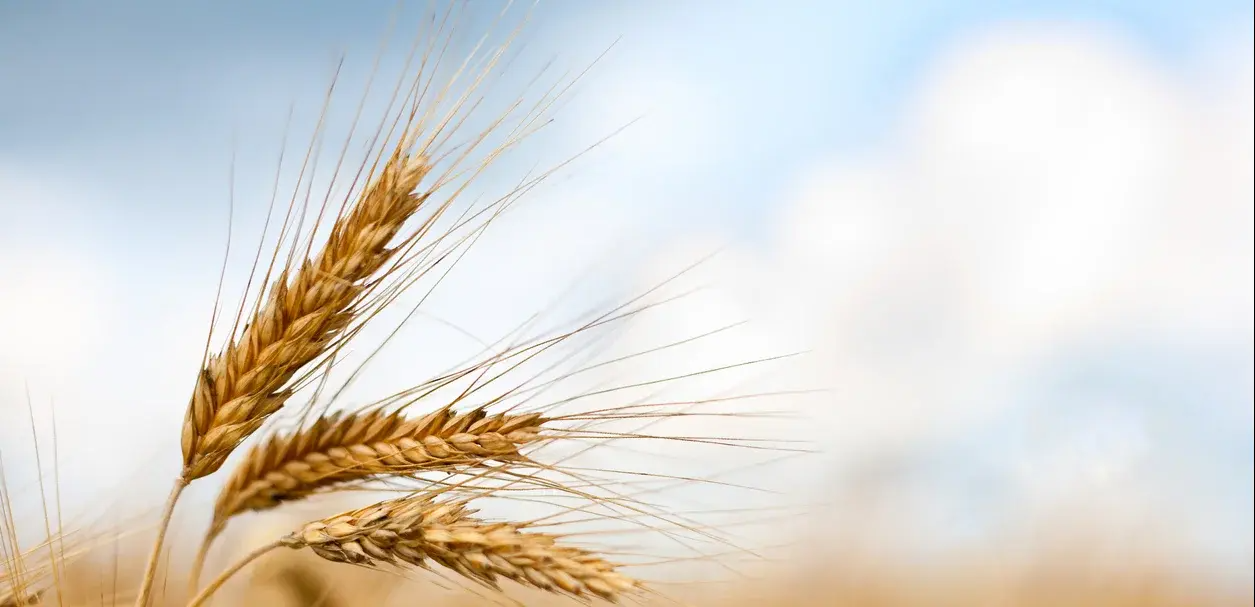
[338,449]
[415,530]
[305,315]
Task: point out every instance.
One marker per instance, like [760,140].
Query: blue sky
[775,127]
[799,78]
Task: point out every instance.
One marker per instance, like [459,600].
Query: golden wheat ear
[338,449]
[346,448]
[417,531]
[305,316]
[308,313]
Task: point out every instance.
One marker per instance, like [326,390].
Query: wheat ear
[302,319]
[344,448]
[307,314]
[415,530]
[339,449]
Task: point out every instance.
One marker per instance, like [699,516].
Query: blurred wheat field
[428,379]
[292,581]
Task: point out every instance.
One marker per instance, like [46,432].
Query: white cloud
[1050,188]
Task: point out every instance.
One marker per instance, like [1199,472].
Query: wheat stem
[212,587]
[150,571]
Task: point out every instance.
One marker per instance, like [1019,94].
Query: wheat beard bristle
[338,449]
[416,530]
[302,319]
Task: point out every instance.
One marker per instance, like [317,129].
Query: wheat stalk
[312,311]
[307,314]
[338,449]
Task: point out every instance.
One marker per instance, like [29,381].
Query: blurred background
[1014,240]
